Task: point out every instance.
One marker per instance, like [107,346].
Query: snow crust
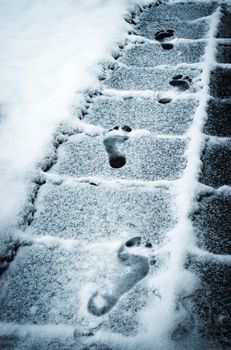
[50,51]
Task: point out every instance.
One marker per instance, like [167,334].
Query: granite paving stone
[220,82]
[224,30]
[211,303]
[219,118]
[147,158]
[177,11]
[174,117]
[89,212]
[223,53]
[182,29]
[151,55]
[216,164]
[156,79]
[212,222]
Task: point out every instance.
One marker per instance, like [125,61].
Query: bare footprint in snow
[181,82]
[102,302]
[113,139]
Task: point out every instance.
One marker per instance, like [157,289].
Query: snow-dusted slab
[182,29]
[224,53]
[174,117]
[178,11]
[220,82]
[224,30]
[216,164]
[151,55]
[147,158]
[50,337]
[212,222]
[89,212]
[135,78]
[210,306]
[219,118]
[53,286]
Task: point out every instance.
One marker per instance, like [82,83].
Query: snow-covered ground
[111,250]
[49,54]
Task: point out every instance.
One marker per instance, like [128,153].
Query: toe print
[164,100]
[181,82]
[102,302]
[112,140]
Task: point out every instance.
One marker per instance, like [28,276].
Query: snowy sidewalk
[127,242]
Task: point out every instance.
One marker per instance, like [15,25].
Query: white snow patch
[49,54]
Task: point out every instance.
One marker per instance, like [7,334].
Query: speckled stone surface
[151,55]
[91,212]
[156,79]
[147,158]
[174,117]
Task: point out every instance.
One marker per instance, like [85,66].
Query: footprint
[164,100]
[181,82]
[112,140]
[167,46]
[101,303]
[163,34]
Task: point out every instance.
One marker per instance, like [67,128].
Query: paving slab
[179,11]
[174,117]
[223,53]
[182,29]
[224,30]
[147,158]
[220,82]
[211,303]
[151,55]
[52,286]
[219,118]
[28,342]
[93,213]
[212,222]
[135,78]
[216,164]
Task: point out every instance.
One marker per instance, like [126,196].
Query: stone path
[127,240]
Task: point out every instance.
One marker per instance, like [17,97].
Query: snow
[50,51]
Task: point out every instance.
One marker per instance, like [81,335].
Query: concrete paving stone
[135,78]
[174,117]
[224,53]
[151,55]
[180,11]
[219,118]
[212,222]
[147,158]
[182,29]
[224,30]
[49,343]
[92,213]
[52,286]
[220,82]
[39,343]
[41,286]
[211,304]
[216,164]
